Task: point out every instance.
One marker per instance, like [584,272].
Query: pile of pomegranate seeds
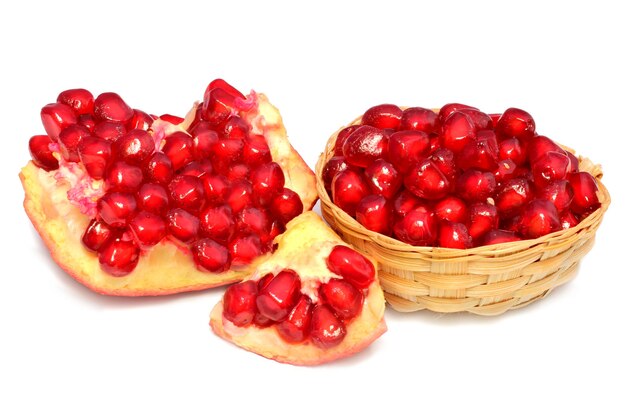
[458,178]
[214,189]
[277,300]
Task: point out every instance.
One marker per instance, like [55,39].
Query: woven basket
[486,280]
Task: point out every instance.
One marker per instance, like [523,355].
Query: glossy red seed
[140,120]
[178,147]
[327,330]
[426,181]
[335,165]
[569,219]
[457,131]
[55,117]
[159,169]
[267,182]
[515,123]
[187,192]
[39,147]
[255,151]
[210,256]
[226,152]
[512,148]
[267,240]
[148,229]
[418,227]
[407,148]
[238,172]
[245,248]
[538,146]
[79,99]
[347,189]
[560,192]
[365,145]
[110,106]
[239,195]
[286,205]
[252,220]
[220,101]
[575,163]
[496,236]
[296,327]
[69,140]
[217,223]
[454,235]
[182,225]
[375,213]
[444,160]
[134,147]
[480,153]
[506,170]
[97,234]
[87,120]
[110,131]
[512,197]
[153,197]
[450,108]
[240,303]
[216,188]
[116,208]
[481,120]
[539,218]
[342,136]
[204,138]
[382,178]
[119,257]
[95,154]
[475,186]
[234,128]
[351,265]
[121,176]
[452,209]
[383,116]
[197,169]
[418,118]
[483,217]
[344,298]
[585,189]
[279,295]
[550,167]
[404,202]
[170,118]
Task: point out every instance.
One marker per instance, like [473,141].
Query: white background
[67,351]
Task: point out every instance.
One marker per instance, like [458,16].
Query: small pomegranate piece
[286,205]
[187,192]
[153,198]
[255,151]
[219,103]
[55,117]
[182,225]
[79,99]
[452,209]
[210,255]
[483,218]
[226,152]
[140,120]
[365,145]
[559,192]
[251,219]
[159,169]
[481,120]
[573,161]
[476,186]
[407,148]
[121,176]
[95,154]
[110,106]
[110,131]
[480,153]
[240,303]
[550,167]
[87,120]
[569,219]
[134,147]
[382,178]
[239,195]
[234,128]
[267,181]
[418,118]
[374,212]
[585,189]
[69,141]
[39,147]
[327,330]
[97,235]
[450,108]
[507,169]
[383,116]
[418,227]
[216,188]
[342,136]
[335,165]
[295,328]
[426,181]
[244,249]
[513,196]
[197,168]
[351,265]
[539,146]
[203,140]
[444,160]
[539,218]
[119,257]
[404,202]
[457,131]
[238,172]
[454,235]
[345,300]
[515,123]
[116,208]
[512,148]
[148,229]
[348,189]
[178,147]
[279,295]
[217,223]
[495,236]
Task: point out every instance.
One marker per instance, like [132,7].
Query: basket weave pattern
[486,280]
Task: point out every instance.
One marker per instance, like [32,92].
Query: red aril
[348,189]
[255,151]
[239,195]
[513,196]
[550,167]
[39,147]
[95,154]
[569,219]
[244,248]
[481,120]
[506,170]
[512,148]
[365,145]
[187,192]
[573,161]
[238,172]
[134,147]
[217,223]
[225,153]
[444,160]
[327,330]
[148,229]
[55,117]
[234,128]
[216,188]
[178,147]
[538,146]
[585,189]
[382,178]
[252,220]
[240,303]
[116,208]
[119,257]
[480,153]
[296,327]
[418,118]
[335,165]
[197,169]
[203,140]
[79,99]
[351,265]
[539,218]
[447,109]
[121,176]
[452,209]
[111,107]
[476,186]
[515,123]
[407,148]
[210,255]
[159,169]
[560,192]
[454,235]
[483,217]
[107,130]
[267,182]
[342,136]
[404,202]
[344,298]
[97,235]
[496,236]
[426,181]
[153,197]
[383,116]
[279,295]
[140,120]
[457,131]
[69,141]
[419,227]
[374,212]
[286,205]
[182,225]
[88,121]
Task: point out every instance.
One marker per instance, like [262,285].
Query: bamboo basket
[487,280]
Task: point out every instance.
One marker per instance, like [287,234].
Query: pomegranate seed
[79,99]
[382,178]
[335,165]
[507,169]
[203,140]
[585,189]
[407,148]
[110,106]
[88,121]
[220,100]
[55,117]
[342,136]
[235,128]
[279,295]
[560,192]
[97,234]
[216,188]
[116,208]
[351,265]
[418,118]
[182,225]
[170,118]
[135,146]
[286,205]
[454,235]
[39,147]
[450,108]
[550,167]
[240,303]
[495,236]
[569,219]
[95,154]
[244,249]
[365,145]
[515,123]
[140,120]
[187,192]
[251,219]
[110,131]
[481,120]
[444,160]
[383,116]
[452,209]
[238,172]
[197,169]
[539,218]
[267,181]
[513,196]
[148,229]
[404,202]
[345,300]
[69,139]
[480,153]
[327,330]
[217,223]
[512,148]
[153,198]
[239,195]
[255,151]
[348,188]
[474,185]
[119,257]
[121,176]
[226,152]
[418,227]
[573,161]
[178,147]
[374,212]
[426,181]
[483,217]
[295,328]
[457,131]
[159,169]
[538,146]
[495,117]
[210,256]
[276,228]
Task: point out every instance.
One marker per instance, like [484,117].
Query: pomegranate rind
[304,232]
[168,267]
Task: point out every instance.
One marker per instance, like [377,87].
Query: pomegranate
[312,301]
[156,205]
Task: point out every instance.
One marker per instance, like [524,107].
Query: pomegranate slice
[313,301]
